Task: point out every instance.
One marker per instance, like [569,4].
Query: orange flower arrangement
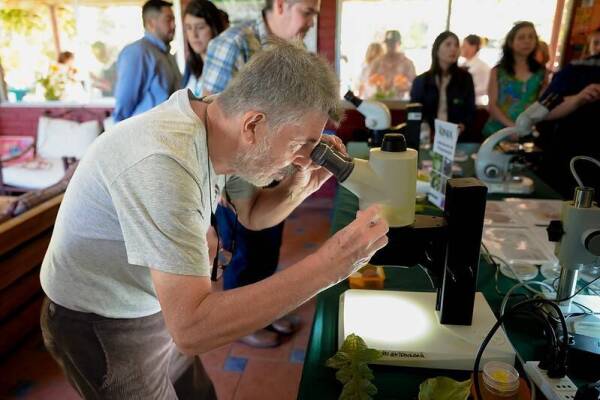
[387,90]
[377,80]
[401,82]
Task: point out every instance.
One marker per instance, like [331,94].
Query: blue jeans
[256,253]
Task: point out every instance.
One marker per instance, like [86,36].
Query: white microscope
[496,158]
[378,120]
[578,237]
[439,329]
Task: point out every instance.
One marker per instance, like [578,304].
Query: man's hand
[352,247]
[589,94]
[306,181]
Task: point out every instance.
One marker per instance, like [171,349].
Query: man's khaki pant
[107,358]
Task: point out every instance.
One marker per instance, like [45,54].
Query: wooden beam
[55,32]
[556,26]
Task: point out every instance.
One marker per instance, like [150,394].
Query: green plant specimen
[351,361]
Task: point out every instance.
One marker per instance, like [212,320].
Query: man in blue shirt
[147,73]
[255,253]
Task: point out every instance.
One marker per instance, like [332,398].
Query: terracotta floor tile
[269,380]
[215,359]
[226,383]
[60,389]
[280,353]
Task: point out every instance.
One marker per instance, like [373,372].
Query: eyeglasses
[224,256]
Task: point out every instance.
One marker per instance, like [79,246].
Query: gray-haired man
[127,270]
[255,253]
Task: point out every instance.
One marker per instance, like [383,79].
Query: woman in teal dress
[518,79]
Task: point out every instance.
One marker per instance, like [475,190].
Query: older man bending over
[127,274]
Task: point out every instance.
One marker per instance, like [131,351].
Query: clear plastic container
[501,380]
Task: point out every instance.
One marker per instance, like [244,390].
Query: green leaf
[351,361]
[344,375]
[444,388]
[339,360]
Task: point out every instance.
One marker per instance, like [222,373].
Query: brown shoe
[287,324]
[261,338]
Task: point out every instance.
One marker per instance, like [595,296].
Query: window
[93,33]
[420,21]
[497,17]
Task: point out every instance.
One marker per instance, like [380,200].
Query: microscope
[578,243]
[441,329]
[378,120]
[499,156]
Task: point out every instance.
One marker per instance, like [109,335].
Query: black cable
[490,258]
[579,291]
[427,275]
[548,330]
[499,323]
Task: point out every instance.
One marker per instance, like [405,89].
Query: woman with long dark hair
[202,22]
[445,90]
[517,80]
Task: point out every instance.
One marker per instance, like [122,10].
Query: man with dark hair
[476,67]
[147,73]
[255,253]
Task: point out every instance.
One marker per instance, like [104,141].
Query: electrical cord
[502,308]
[586,286]
[572,167]
[491,257]
[549,331]
[499,323]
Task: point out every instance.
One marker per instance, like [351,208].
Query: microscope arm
[492,165]
[377,115]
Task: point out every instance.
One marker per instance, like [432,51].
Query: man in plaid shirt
[255,253]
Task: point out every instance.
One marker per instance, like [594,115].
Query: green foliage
[351,361]
[20,21]
[25,21]
[67,22]
[444,388]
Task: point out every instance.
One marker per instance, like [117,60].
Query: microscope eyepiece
[332,160]
[351,97]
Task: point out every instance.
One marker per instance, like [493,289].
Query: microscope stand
[516,185]
[406,328]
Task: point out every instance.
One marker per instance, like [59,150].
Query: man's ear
[278,6]
[150,24]
[250,122]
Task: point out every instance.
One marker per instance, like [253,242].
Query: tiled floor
[239,372]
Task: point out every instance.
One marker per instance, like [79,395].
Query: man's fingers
[371,213]
[380,243]
[336,142]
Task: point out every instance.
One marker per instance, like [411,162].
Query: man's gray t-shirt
[138,199]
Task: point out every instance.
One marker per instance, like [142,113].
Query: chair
[59,142]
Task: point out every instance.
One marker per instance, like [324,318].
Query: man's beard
[255,166]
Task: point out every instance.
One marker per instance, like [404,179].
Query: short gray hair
[285,82]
